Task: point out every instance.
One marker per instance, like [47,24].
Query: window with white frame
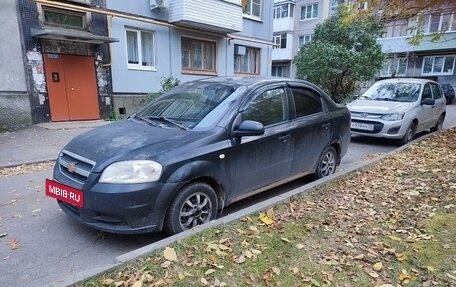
[283,10]
[439,22]
[140,49]
[280,40]
[438,65]
[252,8]
[279,71]
[246,60]
[304,39]
[334,7]
[198,55]
[394,67]
[309,11]
[396,28]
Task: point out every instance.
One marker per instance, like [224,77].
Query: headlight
[393,117]
[132,171]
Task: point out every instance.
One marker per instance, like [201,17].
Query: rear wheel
[327,163]
[409,134]
[439,124]
[194,205]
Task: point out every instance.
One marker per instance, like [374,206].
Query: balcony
[283,24]
[221,16]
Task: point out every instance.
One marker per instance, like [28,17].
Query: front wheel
[194,205]
[327,163]
[439,124]
[409,134]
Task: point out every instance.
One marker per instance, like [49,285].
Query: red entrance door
[72,87]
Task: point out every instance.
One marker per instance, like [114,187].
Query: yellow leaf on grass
[378,266]
[204,281]
[266,219]
[181,276]
[170,254]
[241,259]
[107,281]
[299,246]
[404,275]
[270,213]
[392,237]
[137,284]
[286,239]
[401,256]
[430,268]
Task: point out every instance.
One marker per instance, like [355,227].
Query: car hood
[128,140]
[379,107]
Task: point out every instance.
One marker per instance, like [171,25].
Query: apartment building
[293,26]
[434,57]
[85,59]
[431,58]
[187,40]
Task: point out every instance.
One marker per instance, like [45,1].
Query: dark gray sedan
[202,146]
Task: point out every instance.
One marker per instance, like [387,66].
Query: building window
[280,40]
[279,71]
[140,49]
[302,40]
[252,8]
[397,28]
[309,11]
[438,65]
[198,55]
[394,67]
[246,60]
[283,11]
[439,22]
[334,8]
[64,18]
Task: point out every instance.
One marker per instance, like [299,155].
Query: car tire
[194,205]
[439,124]
[327,163]
[409,134]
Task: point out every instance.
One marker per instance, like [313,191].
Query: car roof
[251,81]
[407,80]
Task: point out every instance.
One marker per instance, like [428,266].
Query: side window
[436,92]
[267,108]
[307,102]
[427,94]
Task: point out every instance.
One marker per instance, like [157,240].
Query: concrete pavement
[41,142]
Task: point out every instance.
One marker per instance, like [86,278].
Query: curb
[27,162]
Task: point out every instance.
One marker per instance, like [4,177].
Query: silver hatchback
[398,109]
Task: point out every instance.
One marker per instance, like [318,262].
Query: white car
[398,109]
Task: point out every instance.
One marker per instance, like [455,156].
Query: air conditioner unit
[160,4]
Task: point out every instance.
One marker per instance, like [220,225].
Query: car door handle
[326,126]
[284,138]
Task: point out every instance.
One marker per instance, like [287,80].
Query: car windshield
[395,92]
[185,106]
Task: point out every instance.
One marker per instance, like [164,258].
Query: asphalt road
[51,246]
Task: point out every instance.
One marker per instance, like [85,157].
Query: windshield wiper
[383,99]
[144,119]
[165,119]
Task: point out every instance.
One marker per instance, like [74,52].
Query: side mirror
[249,128]
[428,101]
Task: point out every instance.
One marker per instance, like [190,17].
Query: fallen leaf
[204,281]
[166,264]
[286,239]
[373,274]
[138,284]
[170,254]
[276,270]
[378,266]
[266,219]
[13,243]
[3,234]
[241,259]
[401,257]
[108,281]
[209,271]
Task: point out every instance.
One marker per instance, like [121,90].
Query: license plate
[362,126]
[64,193]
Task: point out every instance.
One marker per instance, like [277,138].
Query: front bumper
[381,128]
[120,208]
